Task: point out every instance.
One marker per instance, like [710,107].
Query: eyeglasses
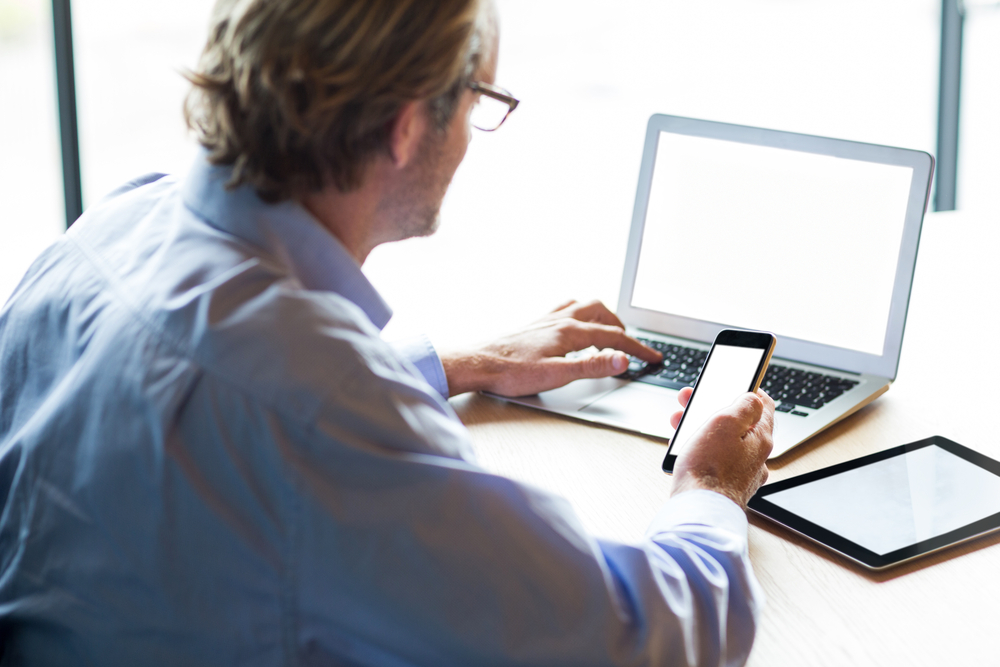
[492,107]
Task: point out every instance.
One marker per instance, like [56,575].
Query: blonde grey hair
[299,94]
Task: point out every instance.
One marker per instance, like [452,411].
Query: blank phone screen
[728,374]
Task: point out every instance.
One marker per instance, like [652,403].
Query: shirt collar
[285,230]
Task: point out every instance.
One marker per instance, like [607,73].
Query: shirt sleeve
[420,352]
[705,534]
[407,557]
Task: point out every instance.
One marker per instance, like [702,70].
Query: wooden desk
[822,610]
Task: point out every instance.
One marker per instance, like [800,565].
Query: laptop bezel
[884,365]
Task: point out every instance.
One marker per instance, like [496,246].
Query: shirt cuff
[419,351]
[702,508]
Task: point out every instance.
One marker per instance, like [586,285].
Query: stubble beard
[419,202]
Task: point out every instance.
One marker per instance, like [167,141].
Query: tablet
[893,506]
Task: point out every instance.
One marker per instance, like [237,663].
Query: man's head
[303,95]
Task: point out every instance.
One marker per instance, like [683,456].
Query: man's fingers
[595,311]
[747,409]
[579,335]
[685,396]
[591,311]
[765,426]
[599,365]
[564,306]
[729,453]
[762,476]
[764,396]
[767,402]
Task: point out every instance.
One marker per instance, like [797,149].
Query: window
[129,59]
[589,74]
[31,216]
[564,166]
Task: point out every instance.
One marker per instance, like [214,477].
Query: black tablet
[890,507]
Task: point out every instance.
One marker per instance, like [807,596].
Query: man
[208,456]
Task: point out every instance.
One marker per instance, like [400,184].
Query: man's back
[208,456]
[149,399]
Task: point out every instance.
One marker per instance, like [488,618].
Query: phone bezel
[758,340]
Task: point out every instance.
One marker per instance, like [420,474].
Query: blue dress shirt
[208,456]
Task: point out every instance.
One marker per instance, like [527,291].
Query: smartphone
[735,365]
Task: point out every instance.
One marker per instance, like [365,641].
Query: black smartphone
[735,365]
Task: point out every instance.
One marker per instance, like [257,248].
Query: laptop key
[805,388]
[635,365]
[792,387]
[686,360]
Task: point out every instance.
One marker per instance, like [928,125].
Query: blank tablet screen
[899,501]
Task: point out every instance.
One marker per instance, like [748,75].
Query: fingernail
[619,362]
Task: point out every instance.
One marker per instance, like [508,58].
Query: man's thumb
[601,364]
[747,409]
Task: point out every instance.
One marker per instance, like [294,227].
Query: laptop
[813,239]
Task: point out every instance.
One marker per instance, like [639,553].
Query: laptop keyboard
[790,388]
[679,368]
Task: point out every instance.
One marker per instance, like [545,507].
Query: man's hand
[534,359]
[729,453]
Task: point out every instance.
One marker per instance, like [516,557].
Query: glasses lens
[488,113]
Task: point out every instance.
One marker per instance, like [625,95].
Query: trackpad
[639,407]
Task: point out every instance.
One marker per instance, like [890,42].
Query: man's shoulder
[234,308]
[294,348]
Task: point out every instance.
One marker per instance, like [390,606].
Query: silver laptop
[811,238]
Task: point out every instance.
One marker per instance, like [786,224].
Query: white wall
[540,209]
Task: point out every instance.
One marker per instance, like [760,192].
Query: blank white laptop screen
[800,244]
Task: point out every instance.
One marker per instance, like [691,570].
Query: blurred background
[539,211]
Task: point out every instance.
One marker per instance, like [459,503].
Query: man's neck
[345,216]
[354,216]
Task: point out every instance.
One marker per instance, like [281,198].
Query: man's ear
[406,133]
